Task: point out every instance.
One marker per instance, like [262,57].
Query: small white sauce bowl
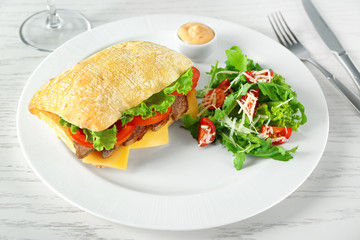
[197,52]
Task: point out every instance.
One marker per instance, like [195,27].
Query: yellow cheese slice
[193,109]
[120,157]
[153,139]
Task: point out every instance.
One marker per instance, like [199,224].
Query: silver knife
[331,41]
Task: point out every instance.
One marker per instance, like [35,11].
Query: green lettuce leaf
[105,139]
[182,85]
[64,123]
[158,102]
[161,101]
[89,135]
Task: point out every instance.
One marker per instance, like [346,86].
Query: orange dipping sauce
[196,33]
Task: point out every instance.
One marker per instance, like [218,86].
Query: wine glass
[48,29]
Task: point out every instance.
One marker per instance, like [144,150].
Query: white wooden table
[326,206]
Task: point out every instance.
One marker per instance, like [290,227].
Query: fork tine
[292,34]
[283,30]
[276,32]
[284,41]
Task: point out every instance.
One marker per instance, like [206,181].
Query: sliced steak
[107,153]
[156,126]
[179,107]
[137,135]
[81,150]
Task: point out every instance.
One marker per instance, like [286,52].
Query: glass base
[36,32]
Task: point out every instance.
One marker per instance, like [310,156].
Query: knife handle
[350,67]
[353,98]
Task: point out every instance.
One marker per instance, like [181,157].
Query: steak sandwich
[119,98]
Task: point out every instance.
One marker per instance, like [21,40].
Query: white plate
[178,186]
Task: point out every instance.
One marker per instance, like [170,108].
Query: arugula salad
[248,109]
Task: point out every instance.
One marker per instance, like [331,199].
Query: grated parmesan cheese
[284,102]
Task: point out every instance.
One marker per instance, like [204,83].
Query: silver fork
[288,39]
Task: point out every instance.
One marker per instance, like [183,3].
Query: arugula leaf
[295,104]
[236,60]
[231,146]
[230,101]
[277,89]
[253,67]
[266,150]
[238,63]
[242,143]
[276,92]
[239,160]
[214,82]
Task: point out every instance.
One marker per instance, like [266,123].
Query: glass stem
[53,20]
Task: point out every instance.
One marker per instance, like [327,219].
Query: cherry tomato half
[215,98]
[225,85]
[258,77]
[251,105]
[206,132]
[278,135]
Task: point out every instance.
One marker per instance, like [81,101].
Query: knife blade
[331,41]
